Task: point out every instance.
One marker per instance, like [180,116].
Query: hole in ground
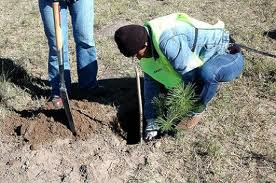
[129,119]
[17,130]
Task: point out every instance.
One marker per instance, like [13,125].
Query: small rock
[33,147]
[146,160]
[51,119]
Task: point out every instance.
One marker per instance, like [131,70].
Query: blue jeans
[82,18]
[220,68]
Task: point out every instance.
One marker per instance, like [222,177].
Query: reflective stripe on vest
[160,69]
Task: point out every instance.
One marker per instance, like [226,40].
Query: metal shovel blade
[68,113]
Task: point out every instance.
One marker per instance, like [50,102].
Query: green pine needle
[180,100]
[165,124]
[174,107]
[159,104]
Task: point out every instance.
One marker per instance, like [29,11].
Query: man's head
[131,40]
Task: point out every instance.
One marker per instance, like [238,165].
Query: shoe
[57,102]
[151,130]
[189,122]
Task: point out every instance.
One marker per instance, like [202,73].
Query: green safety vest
[160,69]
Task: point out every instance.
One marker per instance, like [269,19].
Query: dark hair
[130,39]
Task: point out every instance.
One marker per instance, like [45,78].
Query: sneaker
[57,102]
[189,122]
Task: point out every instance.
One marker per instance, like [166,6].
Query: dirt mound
[47,124]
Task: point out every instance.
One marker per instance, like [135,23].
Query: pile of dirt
[48,124]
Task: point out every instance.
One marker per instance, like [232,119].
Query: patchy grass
[11,96]
[18,90]
[235,142]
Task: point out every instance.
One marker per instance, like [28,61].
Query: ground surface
[235,142]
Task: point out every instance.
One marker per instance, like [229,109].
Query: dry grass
[235,141]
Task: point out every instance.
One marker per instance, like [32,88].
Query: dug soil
[48,124]
[90,115]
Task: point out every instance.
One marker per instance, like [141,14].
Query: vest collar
[153,50]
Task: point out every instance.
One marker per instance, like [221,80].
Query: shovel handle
[139,99]
[56,11]
[140,103]
[59,44]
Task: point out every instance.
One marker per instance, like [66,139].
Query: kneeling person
[177,48]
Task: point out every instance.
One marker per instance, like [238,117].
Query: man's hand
[150,135]
[151,130]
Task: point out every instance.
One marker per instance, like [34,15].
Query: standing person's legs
[221,68]
[46,12]
[82,13]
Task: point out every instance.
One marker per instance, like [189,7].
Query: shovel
[139,100]
[62,89]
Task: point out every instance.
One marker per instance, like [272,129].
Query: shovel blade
[65,100]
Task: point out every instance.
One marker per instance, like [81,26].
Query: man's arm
[177,51]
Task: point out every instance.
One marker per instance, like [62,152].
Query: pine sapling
[171,109]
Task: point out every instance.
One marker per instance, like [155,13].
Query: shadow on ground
[119,92]
[16,74]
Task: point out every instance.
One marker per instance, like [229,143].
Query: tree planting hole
[17,130]
[129,118]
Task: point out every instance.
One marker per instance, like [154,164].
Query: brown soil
[90,115]
[47,124]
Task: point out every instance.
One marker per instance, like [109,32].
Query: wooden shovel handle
[140,103]
[56,11]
